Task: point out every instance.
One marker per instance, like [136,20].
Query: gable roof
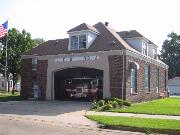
[132,34]
[83,26]
[107,40]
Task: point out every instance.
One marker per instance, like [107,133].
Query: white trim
[146,58]
[83,31]
[143,38]
[120,52]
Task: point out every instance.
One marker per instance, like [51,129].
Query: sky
[51,19]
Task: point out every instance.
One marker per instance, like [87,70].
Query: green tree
[170,54]
[18,44]
[38,41]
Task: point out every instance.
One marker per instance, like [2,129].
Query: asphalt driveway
[68,112]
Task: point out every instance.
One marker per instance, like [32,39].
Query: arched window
[133,80]
[133,69]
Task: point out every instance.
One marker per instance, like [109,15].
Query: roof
[103,42]
[174,81]
[84,26]
[132,34]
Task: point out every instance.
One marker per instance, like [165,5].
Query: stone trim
[111,52]
[147,59]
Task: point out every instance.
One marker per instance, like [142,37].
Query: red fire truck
[83,87]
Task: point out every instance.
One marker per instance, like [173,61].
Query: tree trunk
[13,84]
[8,83]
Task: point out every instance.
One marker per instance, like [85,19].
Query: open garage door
[78,83]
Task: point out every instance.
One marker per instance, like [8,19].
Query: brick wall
[141,95]
[116,71]
[28,76]
[42,76]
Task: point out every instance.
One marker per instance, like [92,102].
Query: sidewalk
[133,115]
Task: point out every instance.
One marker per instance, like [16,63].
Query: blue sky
[51,19]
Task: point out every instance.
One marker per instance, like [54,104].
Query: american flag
[3,29]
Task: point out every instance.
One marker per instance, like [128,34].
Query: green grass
[5,96]
[168,106]
[141,123]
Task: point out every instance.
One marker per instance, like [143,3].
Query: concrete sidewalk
[133,115]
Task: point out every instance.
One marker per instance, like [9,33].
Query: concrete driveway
[67,112]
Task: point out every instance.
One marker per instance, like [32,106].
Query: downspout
[123,54]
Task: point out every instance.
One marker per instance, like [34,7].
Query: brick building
[112,64]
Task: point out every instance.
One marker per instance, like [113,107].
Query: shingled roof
[132,34]
[84,26]
[107,40]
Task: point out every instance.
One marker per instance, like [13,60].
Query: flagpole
[5,74]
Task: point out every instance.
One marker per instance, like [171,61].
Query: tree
[170,54]
[38,41]
[18,44]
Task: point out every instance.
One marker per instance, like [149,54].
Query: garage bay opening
[78,84]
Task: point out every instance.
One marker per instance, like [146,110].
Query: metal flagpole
[5,74]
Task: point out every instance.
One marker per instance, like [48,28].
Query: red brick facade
[141,94]
[28,76]
[116,75]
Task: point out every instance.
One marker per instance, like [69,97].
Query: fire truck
[83,87]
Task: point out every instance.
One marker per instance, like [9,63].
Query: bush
[106,100]
[94,105]
[113,103]
[126,103]
[106,107]
[119,101]
[101,103]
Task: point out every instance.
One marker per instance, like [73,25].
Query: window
[133,80]
[34,64]
[157,80]
[147,78]
[74,43]
[144,48]
[82,42]
[154,53]
[78,42]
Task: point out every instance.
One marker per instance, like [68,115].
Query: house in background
[95,61]
[3,85]
[174,86]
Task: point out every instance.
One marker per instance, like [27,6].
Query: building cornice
[111,52]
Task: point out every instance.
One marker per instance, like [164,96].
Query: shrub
[113,103]
[101,102]
[106,107]
[119,101]
[94,105]
[126,103]
[106,100]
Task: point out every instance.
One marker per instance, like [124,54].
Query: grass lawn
[5,96]
[140,123]
[168,106]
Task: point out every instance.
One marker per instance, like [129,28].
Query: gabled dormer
[140,43]
[82,36]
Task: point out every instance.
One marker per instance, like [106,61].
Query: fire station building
[95,61]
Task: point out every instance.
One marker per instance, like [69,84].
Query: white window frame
[144,48]
[78,42]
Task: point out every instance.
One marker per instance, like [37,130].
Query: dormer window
[78,42]
[82,42]
[154,53]
[144,48]
[74,43]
